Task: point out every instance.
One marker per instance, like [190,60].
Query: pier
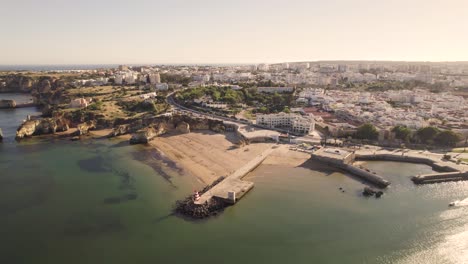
[232,188]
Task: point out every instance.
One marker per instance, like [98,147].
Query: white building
[162,86]
[292,122]
[80,102]
[118,79]
[275,89]
[154,78]
[148,95]
[216,105]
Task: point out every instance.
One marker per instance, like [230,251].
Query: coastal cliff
[41,126]
[146,129]
[44,89]
[16,83]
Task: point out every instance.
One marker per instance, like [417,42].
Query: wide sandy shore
[207,155]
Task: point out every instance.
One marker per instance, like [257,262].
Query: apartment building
[293,122]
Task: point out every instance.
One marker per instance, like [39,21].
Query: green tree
[447,138]
[427,134]
[367,131]
[402,132]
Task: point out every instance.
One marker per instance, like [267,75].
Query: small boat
[453,203]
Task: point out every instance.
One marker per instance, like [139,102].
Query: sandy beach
[207,155]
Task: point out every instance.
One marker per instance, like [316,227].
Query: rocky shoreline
[187,207]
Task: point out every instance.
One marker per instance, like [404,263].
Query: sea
[105,201]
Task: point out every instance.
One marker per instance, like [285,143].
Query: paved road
[170,100]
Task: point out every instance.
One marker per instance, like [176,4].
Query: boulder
[119,130]
[27,129]
[84,128]
[143,136]
[7,104]
[368,191]
[183,127]
[218,128]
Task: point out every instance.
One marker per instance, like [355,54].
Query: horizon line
[230,63]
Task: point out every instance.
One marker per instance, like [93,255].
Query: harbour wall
[346,164]
[411,159]
[440,177]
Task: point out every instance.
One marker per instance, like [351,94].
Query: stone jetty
[440,177]
[222,193]
[344,160]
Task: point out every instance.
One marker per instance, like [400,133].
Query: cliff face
[41,126]
[144,130]
[44,89]
[16,84]
[7,104]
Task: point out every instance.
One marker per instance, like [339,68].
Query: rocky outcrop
[143,136]
[16,83]
[7,104]
[177,123]
[119,130]
[183,127]
[368,191]
[83,128]
[1,135]
[41,126]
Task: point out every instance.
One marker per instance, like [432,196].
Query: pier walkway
[233,183]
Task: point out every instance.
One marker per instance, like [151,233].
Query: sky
[231,31]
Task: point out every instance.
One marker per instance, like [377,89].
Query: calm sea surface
[95,201]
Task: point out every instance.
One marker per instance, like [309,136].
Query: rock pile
[368,191]
[188,208]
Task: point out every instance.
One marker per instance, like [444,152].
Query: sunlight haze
[207,31]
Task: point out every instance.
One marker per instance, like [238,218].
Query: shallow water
[96,201]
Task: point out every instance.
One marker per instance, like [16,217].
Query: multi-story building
[154,78]
[292,122]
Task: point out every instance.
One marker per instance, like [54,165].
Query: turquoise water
[103,201]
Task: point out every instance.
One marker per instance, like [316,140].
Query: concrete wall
[390,157]
[366,175]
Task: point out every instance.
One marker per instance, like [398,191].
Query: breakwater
[436,165]
[344,160]
[440,177]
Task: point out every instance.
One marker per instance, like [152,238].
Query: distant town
[386,102]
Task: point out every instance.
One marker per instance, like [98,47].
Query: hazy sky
[231,31]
